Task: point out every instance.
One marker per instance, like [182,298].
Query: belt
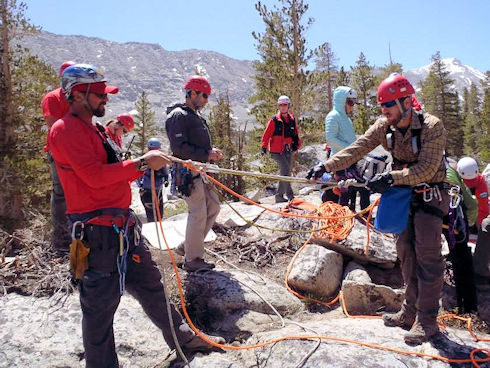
[103,217]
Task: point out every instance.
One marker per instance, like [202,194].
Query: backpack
[416,141]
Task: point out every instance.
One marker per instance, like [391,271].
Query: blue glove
[380,182]
[316,172]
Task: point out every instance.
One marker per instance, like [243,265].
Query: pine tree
[484,138]
[229,140]
[13,25]
[385,71]
[283,59]
[145,125]
[325,75]
[441,99]
[343,78]
[471,115]
[363,82]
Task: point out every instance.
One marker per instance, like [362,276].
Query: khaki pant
[419,250]
[204,206]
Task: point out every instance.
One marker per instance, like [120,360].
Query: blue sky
[415,29]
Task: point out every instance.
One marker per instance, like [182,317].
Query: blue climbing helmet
[154,143]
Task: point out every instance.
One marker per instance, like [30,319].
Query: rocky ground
[234,301]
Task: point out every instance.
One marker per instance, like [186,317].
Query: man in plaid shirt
[416,142]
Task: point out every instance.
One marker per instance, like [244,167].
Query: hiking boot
[280,199]
[179,250]
[419,334]
[197,344]
[197,264]
[399,319]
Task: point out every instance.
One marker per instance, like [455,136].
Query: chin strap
[404,113]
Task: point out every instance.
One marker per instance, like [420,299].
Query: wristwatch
[142,165]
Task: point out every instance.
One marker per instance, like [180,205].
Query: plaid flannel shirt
[426,166]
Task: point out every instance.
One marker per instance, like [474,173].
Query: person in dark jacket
[161,180]
[98,195]
[281,136]
[189,138]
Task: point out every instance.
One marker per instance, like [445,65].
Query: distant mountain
[463,75]
[135,67]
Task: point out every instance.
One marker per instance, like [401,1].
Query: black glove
[165,183]
[316,172]
[380,182]
[264,151]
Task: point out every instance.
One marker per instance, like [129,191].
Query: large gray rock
[218,294]
[381,250]
[355,272]
[316,271]
[363,297]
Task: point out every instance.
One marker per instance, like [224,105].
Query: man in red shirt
[98,195]
[54,106]
[281,136]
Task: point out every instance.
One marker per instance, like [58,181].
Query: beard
[394,119]
[99,111]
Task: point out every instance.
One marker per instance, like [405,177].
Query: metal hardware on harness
[454,196]
[74,234]
[430,192]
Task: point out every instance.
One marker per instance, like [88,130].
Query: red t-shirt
[89,182]
[114,137]
[54,104]
[478,187]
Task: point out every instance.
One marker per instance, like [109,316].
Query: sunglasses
[388,104]
[205,95]
[102,96]
[350,102]
[283,104]
[123,127]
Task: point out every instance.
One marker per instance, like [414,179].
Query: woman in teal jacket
[339,133]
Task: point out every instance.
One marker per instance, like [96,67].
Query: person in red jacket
[282,137]
[54,106]
[468,169]
[116,128]
[98,194]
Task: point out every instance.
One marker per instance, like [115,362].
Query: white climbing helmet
[467,168]
[283,99]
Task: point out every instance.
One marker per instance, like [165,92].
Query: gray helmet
[80,74]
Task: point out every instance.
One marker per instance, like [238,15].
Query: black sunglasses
[350,102]
[205,95]
[388,104]
[102,96]
[122,126]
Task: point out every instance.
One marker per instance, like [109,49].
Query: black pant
[349,198]
[462,261]
[147,200]
[100,296]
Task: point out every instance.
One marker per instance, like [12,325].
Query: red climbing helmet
[126,120]
[198,83]
[394,87]
[65,65]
